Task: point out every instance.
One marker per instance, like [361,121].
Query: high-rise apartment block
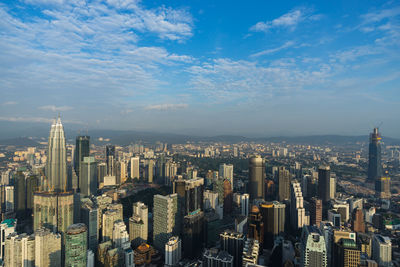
[313,248]
[173,251]
[283,184]
[166,219]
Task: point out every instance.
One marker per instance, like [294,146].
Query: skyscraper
[56,169]
[324,183]
[82,150]
[76,245]
[297,211]
[283,184]
[138,224]
[273,214]
[256,225]
[256,187]
[47,248]
[53,210]
[20,194]
[6,227]
[313,249]
[233,243]
[226,172]
[173,251]
[374,162]
[228,197]
[135,171]
[110,159]
[89,216]
[358,221]
[315,211]
[348,254]
[19,250]
[382,250]
[382,187]
[88,176]
[166,219]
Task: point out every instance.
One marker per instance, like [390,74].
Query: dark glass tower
[256,186]
[374,163]
[81,150]
[324,186]
[110,157]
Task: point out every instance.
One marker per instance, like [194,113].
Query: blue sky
[256,68]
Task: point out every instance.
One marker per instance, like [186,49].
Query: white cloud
[166,107]
[274,50]
[8,103]
[289,20]
[26,119]
[55,108]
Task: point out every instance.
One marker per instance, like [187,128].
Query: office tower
[242,202]
[120,235]
[88,176]
[210,200]
[76,245]
[193,234]
[348,255]
[233,243]
[332,186]
[165,219]
[283,184]
[20,194]
[82,150]
[135,171]
[32,185]
[228,197]
[374,161]
[273,214]
[270,190]
[190,194]
[56,169]
[47,248]
[226,172]
[382,250]
[19,250]
[336,237]
[256,225]
[315,211]
[53,210]
[251,250]
[334,217]
[382,187]
[110,216]
[297,211]
[150,171]
[324,183]
[138,224]
[6,227]
[313,248]
[214,258]
[101,172]
[256,186]
[358,221]
[110,157]
[343,208]
[89,216]
[9,198]
[173,251]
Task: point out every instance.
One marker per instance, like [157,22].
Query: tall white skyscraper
[382,250]
[56,169]
[173,251]
[297,211]
[20,250]
[120,235]
[139,223]
[135,163]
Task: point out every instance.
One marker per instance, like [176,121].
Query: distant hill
[10,130]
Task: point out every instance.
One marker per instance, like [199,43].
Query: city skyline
[258,70]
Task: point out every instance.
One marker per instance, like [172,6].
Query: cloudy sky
[257,68]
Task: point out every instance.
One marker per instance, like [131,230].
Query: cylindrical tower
[256,186]
[76,245]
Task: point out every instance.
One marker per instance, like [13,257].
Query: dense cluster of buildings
[68,207]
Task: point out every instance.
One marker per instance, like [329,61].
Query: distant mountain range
[28,134]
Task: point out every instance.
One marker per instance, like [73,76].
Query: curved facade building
[256,186]
[76,245]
